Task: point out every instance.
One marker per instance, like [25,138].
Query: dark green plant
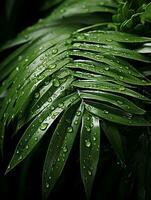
[79,71]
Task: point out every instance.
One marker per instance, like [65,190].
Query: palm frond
[80,77]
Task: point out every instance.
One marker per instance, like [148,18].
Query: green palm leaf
[89,150]
[66,72]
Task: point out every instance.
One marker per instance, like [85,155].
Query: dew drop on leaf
[26,36]
[17,151]
[122,88]
[19,58]
[87,143]
[61,105]
[17,69]
[121,77]
[129,116]
[46,82]
[107,68]
[78,113]
[76,122]
[47,185]
[49,99]
[76,44]
[54,51]
[20,158]
[70,129]
[54,115]
[26,60]
[56,83]
[65,149]
[62,10]
[88,118]
[8,167]
[108,40]
[119,102]
[89,173]
[52,108]
[94,138]
[53,66]
[101,3]
[89,107]
[88,129]
[106,112]
[43,126]
[37,95]
[81,37]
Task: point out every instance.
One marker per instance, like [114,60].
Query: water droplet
[40,48]
[121,88]
[129,116]
[42,58]
[76,122]
[101,3]
[52,66]
[62,10]
[54,51]
[78,113]
[20,158]
[49,177]
[89,107]
[65,149]
[52,108]
[69,129]
[26,60]
[88,129]
[91,125]
[27,147]
[121,77]
[46,82]
[81,37]
[94,138]
[61,105]
[107,68]
[89,173]
[119,102]
[37,95]
[20,58]
[49,99]
[106,112]
[35,138]
[76,44]
[26,36]
[17,151]
[83,6]
[118,163]
[61,88]
[88,118]
[8,167]
[109,40]
[87,143]
[56,83]
[44,126]
[13,116]
[47,185]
